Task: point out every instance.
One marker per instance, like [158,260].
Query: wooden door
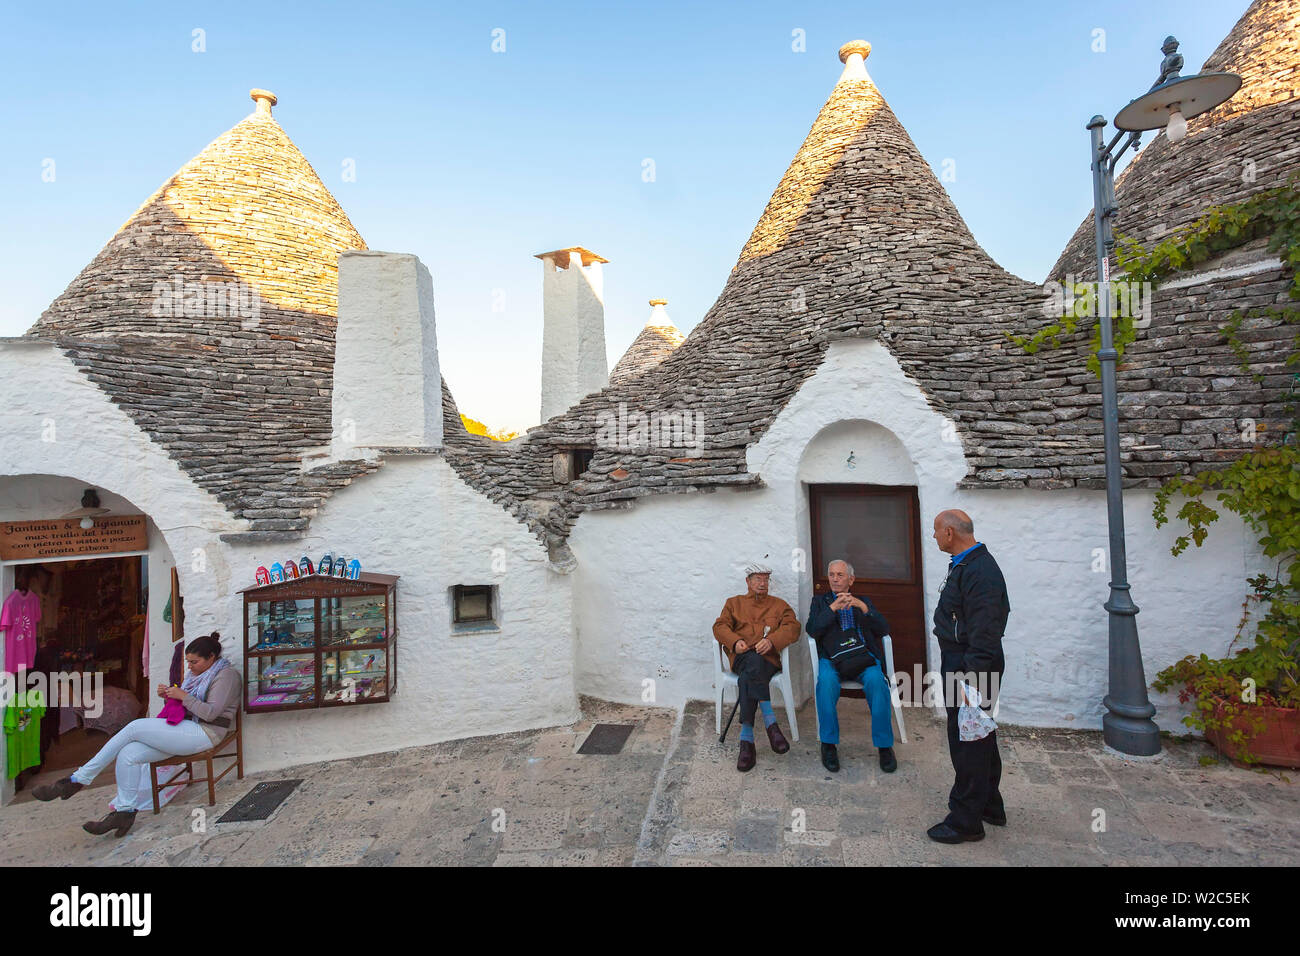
[877,529]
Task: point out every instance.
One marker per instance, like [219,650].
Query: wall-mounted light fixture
[89,510]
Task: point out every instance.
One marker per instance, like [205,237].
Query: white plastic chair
[723,678]
[894,697]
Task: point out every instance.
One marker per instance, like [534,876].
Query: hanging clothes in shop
[18,619]
[22,723]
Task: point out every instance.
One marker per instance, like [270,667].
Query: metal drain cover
[606,738]
[260,802]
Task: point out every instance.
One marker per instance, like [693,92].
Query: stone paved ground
[673,797]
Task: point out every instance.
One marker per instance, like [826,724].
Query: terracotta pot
[1277,745]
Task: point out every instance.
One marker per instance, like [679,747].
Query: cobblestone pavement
[673,797]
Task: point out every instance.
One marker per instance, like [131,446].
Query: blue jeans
[828,698]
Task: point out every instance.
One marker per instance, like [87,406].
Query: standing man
[969,622]
[849,634]
[754,627]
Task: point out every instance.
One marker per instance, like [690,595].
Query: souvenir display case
[320,641]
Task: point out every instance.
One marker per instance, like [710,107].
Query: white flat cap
[757,568]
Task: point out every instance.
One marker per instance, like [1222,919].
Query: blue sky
[474,160]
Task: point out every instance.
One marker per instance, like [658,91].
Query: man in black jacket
[969,622]
[847,631]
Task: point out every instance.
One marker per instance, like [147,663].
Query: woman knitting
[195,717]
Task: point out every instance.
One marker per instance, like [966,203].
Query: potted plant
[1248,704]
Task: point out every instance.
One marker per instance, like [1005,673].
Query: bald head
[954,531]
[956,519]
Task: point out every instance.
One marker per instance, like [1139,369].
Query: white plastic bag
[972,722]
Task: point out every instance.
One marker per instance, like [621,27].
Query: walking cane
[723,738]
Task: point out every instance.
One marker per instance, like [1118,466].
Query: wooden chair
[183,778]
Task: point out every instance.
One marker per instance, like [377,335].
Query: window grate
[473,603]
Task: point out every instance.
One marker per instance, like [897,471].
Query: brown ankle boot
[119,820]
[61,789]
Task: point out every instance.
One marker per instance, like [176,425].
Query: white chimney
[573,335]
[387,385]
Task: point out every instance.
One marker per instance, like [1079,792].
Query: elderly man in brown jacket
[754,627]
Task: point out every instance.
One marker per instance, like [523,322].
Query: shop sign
[48,538]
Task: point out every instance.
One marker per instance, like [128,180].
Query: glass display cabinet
[320,641]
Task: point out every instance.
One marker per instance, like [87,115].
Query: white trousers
[134,747]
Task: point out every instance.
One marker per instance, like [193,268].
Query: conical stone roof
[1248,144]
[210,316]
[859,239]
[249,208]
[1184,393]
[654,343]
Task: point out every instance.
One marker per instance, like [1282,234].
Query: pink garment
[18,620]
[173,711]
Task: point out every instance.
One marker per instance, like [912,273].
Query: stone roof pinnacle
[264,99]
[852,55]
[659,315]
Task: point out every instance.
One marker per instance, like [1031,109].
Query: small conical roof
[247,209]
[655,342]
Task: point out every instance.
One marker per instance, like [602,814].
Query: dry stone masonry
[859,240]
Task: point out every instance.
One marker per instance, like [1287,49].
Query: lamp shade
[1193,95]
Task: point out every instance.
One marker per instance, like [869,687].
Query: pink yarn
[173,711]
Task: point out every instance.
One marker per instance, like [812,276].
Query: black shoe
[830,758]
[888,762]
[777,739]
[119,821]
[59,789]
[997,819]
[943,833]
[748,756]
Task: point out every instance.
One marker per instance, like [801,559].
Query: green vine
[1082,304]
[1273,212]
[1262,487]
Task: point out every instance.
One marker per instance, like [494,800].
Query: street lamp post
[1127,724]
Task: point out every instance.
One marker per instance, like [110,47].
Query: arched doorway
[860,491]
[94,599]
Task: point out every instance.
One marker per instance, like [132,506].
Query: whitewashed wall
[416,518]
[68,428]
[49,496]
[650,581]
[62,435]
[413,517]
